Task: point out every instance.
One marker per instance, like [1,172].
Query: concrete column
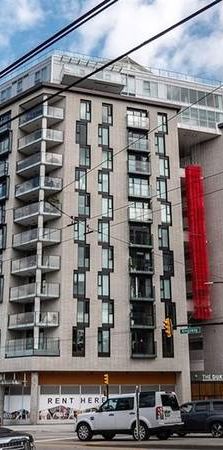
[34,400]
[2,396]
[183,386]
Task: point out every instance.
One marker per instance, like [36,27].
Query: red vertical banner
[198,242]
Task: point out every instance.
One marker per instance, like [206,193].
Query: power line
[57,36]
[118,58]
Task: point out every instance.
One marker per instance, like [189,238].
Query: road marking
[54,439]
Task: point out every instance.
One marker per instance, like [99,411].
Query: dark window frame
[81,137]
[86,303]
[101,143]
[75,352]
[103,353]
[107,106]
[76,292]
[87,258]
[162,280]
[87,104]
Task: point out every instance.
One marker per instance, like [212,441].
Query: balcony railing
[141,239]
[51,235]
[32,347]
[137,122]
[43,290]
[140,214]
[37,183]
[138,144]
[53,159]
[47,134]
[5,145]
[139,190]
[40,111]
[30,263]
[141,320]
[3,169]
[140,265]
[144,349]
[31,319]
[139,167]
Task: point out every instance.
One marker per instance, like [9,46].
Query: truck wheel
[163,435]
[143,432]
[217,429]
[108,436]
[84,432]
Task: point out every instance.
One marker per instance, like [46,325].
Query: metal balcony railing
[140,265]
[32,347]
[138,144]
[24,291]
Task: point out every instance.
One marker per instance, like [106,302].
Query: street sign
[190,330]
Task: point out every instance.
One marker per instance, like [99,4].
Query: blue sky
[194,48]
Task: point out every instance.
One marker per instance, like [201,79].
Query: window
[107,159]
[103,231]
[103,342]
[161,188]
[170,311]
[78,342]
[84,257]
[85,157]
[164,167]
[160,143]
[85,110]
[84,205]
[170,399]
[80,179]
[125,404]
[41,75]
[166,213]
[107,114]
[80,230]
[83,312]
[138,187]
[3,237]
[150,88]
[162,122]
[107,312]
[140,287]
[103,182]
[1,288]
[81,133]
[5,144]
[109,405]
[103,135]
[107,207]
[202,406]
[4,189]
[218,406]
[103,285]
[131,84]
[79,284]
[147,399]
[138,141]
[165,289]
[3,119]
[6,93]
[139,211]
[139,164]
[19,86]
[163,233]
[188,407]
[168,263]
[167,345]
[140,235]
[107,258]
[2,214]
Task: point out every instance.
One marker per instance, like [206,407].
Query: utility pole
[137,413]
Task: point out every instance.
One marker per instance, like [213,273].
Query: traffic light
[106,378]
[168,327]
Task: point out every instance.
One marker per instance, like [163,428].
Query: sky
[194,48]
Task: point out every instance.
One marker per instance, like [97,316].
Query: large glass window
[80,230]
[3,237]
[84,257]
[107,207]
[103,231]
[103,342]
[80,179]
[168,263]
[79,284]
[163,233]
[103,285]
[84,204]
[85,157]
[140,287]
[107,113]
[166,213]
[164,167]
[83,312]
[138,141]
[103,135]
[140,235]
[103,182]
[85,110]
[139,211]
[139,164]
[107,311]
[160,143]
[138,187]
[107,159]
[81,133]
[78,342]
[107,257]
[167,345]
[165,289]
[161,188]
[162,122]
[1,288]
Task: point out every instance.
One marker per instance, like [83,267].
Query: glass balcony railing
[140,214]
[45,133]
[51,262]
[139,167]
[137,122]
[31,290]
[40,111]
[140,319]
[3,169]
[143,346]
[47,319]
[5,145]
[139,190]
[31,319]
[53,159]
[32,347]
[140,264]
[38,183]
[41,234]
[31,262]
[138,144]
[141,238]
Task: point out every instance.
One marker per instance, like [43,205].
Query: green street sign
[190,330]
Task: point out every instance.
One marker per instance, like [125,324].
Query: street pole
[137,412]
[107,391]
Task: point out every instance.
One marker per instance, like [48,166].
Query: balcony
[139,167]
[140,237]
[139,214]
[32,119]
[27,292]
[32,347]
[31,143]
[3,169]
[138,144]
[141,320]
[143,345]
[28,239]
[141,123]
[24,321]
[27,266]
[4,189]
[140,265]
[30,188]
[30,166]
[5,145]
[28,215]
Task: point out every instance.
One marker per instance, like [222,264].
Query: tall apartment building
[93,238]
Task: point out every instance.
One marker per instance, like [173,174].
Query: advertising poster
[16,408]
[66,407]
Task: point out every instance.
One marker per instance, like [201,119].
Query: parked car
[202,416]
[15,440]
[159,415]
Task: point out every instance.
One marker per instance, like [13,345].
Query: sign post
[137,413]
